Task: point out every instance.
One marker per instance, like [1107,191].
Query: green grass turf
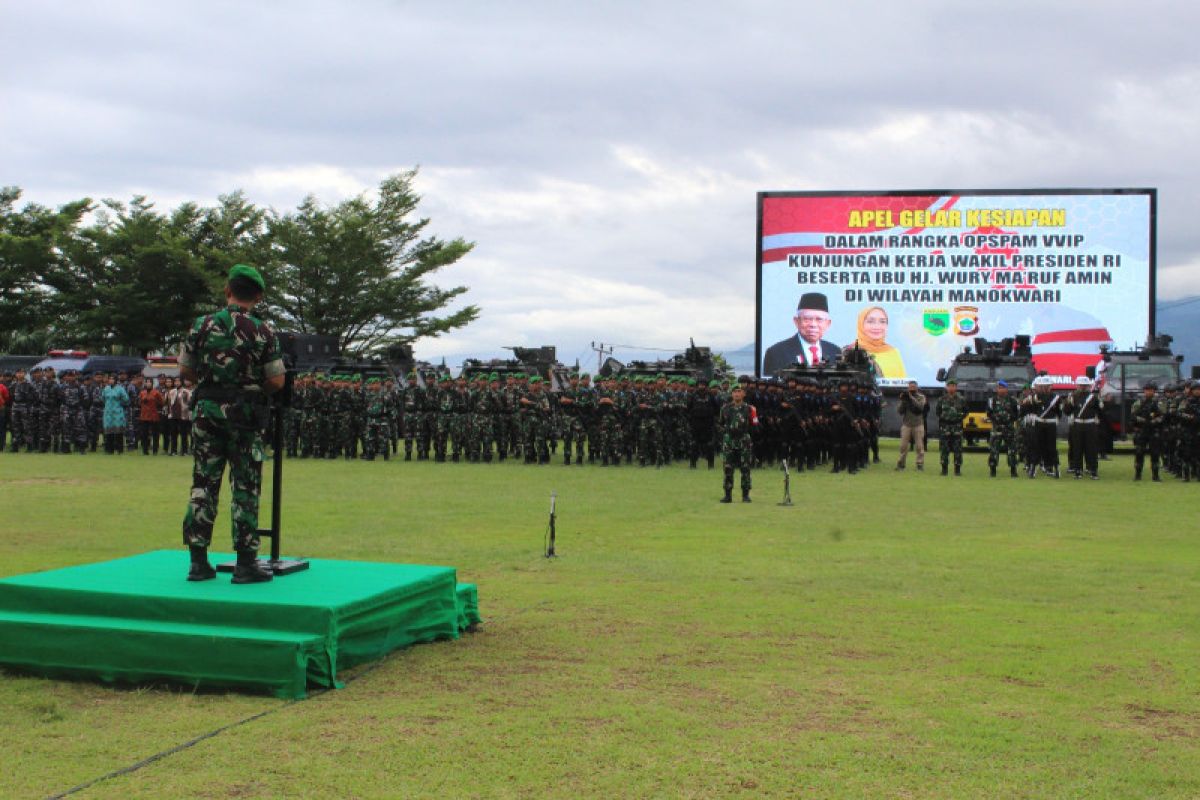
[891,635]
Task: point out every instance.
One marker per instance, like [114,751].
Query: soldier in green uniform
[1003,412]
[1147,416]
[951,409]
[235,360]
[377,435]
[734,424]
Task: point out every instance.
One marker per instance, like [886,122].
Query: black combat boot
[945,469]
[1154,475]
[957,470]
[745,495]
[992,469]
[201,570]
[1012,471]
[250,570]
[728,498]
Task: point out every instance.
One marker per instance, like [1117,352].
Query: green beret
[691,381]
[536,379]
[495,376]
[952,381]
[373,380]
[659,377]
[585,377]
[713,384]
[249,273]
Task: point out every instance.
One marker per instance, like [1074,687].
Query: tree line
[119,277]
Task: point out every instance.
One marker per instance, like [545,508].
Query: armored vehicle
[977,372]
[1122,374]
[852,365]
[694,362]
[529,361]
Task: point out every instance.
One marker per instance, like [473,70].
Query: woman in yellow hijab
[872,331]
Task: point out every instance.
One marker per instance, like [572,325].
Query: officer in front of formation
[951,410]
[234,359]
[1003,413]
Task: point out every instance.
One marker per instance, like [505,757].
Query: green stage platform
[136,620]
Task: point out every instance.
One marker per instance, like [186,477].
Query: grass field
[891,635]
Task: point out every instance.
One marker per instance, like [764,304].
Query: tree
[357,270]
[33,265]
[131,281]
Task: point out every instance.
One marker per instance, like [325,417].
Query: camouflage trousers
[650,443]
[74,426]
[377,438]
[951,442]
[607,439]
[216,443]
[1002,441]
[21,422]
[737,454]
[573,433]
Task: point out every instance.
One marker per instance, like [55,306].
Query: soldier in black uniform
[1086,410]
[1147,416]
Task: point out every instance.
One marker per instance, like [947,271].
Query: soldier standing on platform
[235,360]
[951,409]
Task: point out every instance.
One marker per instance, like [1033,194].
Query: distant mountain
[1180,319]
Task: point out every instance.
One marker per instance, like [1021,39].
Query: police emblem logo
[966,320]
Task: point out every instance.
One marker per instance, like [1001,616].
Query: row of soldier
[653,420]
[1025,429]
[47,412]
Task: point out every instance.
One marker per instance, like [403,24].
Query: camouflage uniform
[22,413]
[233,353]
[1003,413]
[951,409]
[377,434]
[49,413]
[572,404]
[734,423]
[76,402]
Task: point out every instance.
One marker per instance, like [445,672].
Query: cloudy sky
[603,156]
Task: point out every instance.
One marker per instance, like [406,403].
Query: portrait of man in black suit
[806,347]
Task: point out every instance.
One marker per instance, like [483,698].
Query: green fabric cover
[136,619]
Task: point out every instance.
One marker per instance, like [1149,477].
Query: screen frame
[762,197]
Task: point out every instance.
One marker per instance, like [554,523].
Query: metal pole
[276,480]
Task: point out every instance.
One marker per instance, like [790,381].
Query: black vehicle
[311,352]
[87,364]
[977,372]
[1124,373]
[13,363]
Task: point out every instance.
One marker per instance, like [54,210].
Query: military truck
[978,371]
[1122,374]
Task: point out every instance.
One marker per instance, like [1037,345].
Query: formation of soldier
[648,420]
[49,412]
[1025,429]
